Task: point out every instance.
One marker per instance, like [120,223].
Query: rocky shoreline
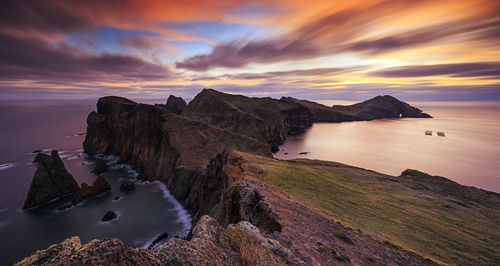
[208,155]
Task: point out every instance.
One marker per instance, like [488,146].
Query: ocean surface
[468,154]
[143,214]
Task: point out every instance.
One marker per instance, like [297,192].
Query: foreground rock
[127,186]
[99,187]
[110,215]
[175,105]
[95,252]
[100,167]
[51,181]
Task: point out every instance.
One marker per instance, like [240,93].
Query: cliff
[267,211]
[165,146]
[51,181]
[264,119]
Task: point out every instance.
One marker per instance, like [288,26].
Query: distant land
[215,156]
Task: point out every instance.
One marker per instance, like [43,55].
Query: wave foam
[184,216]
[5,166]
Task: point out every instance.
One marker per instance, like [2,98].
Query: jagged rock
[209,245]
[127,186]
[96,252]
[175,105]
[99,186]
[110,215]
[157,240]
[172,148]
[265,119]
[100,167]
[246,236]
[247,204]
[51,180]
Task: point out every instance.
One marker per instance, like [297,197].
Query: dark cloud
[481,69]
[280,74]
[35,59]
[333,33]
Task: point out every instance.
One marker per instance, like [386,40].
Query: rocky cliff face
[51,180]
[375,108]
[264,119]
[193,154]
[163,145]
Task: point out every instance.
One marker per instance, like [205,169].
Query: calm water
[469,154]
[26,126]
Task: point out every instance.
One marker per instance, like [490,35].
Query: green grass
[415,220]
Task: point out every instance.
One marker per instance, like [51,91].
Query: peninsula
[215,156]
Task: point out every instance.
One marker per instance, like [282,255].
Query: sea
[26,126]
[468,154]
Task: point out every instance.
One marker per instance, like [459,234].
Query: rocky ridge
[203,173]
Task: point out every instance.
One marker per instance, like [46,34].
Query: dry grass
[447,228]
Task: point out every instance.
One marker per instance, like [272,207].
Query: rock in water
[110,215]
[175,104]
[99,186]
[51,180]
[100,167]
[127,186]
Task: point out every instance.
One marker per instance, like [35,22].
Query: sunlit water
[468,154]
[26,126]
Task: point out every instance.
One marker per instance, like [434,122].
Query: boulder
[100,167]
[51,180]
[127,186]
[110,215]
[99,186]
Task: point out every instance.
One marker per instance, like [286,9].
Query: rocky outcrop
[209,245]
[380,107]
[96,252]
[51,181]
[376,108]
[100,167]
[171,148]
[99,187]
[265,119]
[110,215]
[175,105]
[127,186]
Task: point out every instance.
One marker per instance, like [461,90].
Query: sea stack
[51,180]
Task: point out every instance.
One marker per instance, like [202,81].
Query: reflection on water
[469,154]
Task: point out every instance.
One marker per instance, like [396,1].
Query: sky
[308,49]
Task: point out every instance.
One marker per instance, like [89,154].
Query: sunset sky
[414,50]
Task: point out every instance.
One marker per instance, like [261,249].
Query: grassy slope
[444,229]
